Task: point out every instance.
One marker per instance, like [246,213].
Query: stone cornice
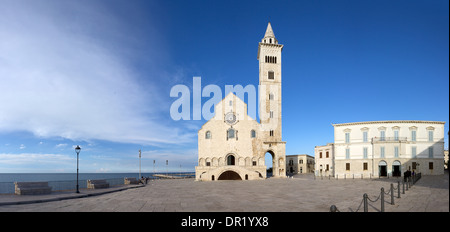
[386,122]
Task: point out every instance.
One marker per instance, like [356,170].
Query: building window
[413,135]
[365,153]
[430,165]
[254,163]
[347,166]
[382,152]
[365,136]
[271,114]
[396,135]
[271,97]
[347,137]
[230,133]
[327,155]
[208,135]
[271,132]
[320,155]
[414,152]
[300,161]
[382,135]
[208,164]
[291,162]
[347,153]
[253,134]
[430,136]
[271,76]
[414,165]
[430,152]
[365,166]
[396,151]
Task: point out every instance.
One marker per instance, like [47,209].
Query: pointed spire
[269,32]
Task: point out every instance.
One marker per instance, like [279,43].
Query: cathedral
[233,145]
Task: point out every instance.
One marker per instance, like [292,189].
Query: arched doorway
[269,162]
[231,160]
[396,168]
[229,175]
[382,168]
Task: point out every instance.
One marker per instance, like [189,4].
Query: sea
[67,181]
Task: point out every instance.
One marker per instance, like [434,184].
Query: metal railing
[410,181]
[389,139]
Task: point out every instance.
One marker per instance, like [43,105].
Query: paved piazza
[299,194]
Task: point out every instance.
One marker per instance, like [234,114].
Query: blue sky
[98,73]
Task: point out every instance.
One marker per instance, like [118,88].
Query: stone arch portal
[229,175]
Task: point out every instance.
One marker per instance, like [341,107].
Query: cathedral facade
[232,145]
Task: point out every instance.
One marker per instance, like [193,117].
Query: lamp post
[77,150]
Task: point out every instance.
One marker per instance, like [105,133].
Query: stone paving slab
[12,199]
[299,194]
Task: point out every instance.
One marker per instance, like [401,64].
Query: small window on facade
[231,103]
[347,153]
[320,155]
[300,162]
[208,164]
[271,97]
[430,165]
[253,134]
[382,135]
[328,167]
[230,134]
[271,133]
[271,114]
[414,165]
[347,166]
[430,136]
[208,135]
[365,136]
[254,163]
[430,152]
[347,137]
[327,155]
[271,75]
[365,166]
[270,40]
[413,135]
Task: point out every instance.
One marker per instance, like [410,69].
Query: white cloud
[22,146]
[61,77]
[61,145]
[31,158]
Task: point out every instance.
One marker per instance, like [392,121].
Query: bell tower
[269,57]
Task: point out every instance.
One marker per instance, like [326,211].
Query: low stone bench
[32,188]
[97,184]
[130,180]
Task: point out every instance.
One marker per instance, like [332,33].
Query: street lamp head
[78,149]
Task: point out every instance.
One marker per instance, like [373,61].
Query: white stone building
[299,164]
[232,145]
[324,160]
[382,148]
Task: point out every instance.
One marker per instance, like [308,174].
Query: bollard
[398,187]
[366,208]
[403,187]
[333,209]
[382,199]
[392,194]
